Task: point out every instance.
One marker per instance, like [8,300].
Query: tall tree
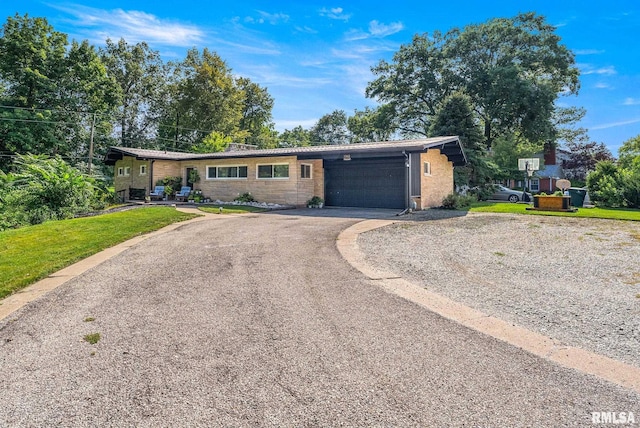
[51,90]
[207,98]
[256,113]
[512,69]
[331,129]
[371,124]
[456,117]
[296,137]
[583,158]
[415,83]
[140,74]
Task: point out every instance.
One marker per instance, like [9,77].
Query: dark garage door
[367,183]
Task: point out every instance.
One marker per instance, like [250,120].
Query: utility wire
[99,114]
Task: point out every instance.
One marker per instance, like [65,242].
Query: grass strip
[31,253]
[231,209]
[605,213]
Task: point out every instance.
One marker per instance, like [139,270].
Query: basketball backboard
[529,164]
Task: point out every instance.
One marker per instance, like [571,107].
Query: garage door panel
[366,183]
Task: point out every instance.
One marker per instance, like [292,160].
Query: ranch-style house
[392,174]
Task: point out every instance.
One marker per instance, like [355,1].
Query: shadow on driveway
[371,213]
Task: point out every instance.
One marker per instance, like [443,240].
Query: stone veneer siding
[290,191]
[435,186]
[134,179]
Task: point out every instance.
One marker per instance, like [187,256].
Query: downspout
[407,165]
[150,175]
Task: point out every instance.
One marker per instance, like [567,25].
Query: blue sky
[315,57]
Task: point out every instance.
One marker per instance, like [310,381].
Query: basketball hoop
[529,165]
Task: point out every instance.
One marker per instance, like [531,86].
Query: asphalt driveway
[256,320]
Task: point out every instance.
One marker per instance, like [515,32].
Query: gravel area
[575,280]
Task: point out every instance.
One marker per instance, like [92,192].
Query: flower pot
[552,203]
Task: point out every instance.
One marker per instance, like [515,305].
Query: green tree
[331,129]
[140,75]
[296,137]
[605,185]
[629,153]
[31,60]
[204,97]
[50,90]
[212,143]
[371,124]
[257,118]
[512,69]
[414,85]
[457,118]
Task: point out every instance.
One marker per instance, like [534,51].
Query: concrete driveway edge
[542,346]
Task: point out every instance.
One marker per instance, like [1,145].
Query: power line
[33,109]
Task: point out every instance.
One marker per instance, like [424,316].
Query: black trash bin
[577,196]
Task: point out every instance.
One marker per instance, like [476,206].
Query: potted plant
[194,176]
[315,202]
[556,202]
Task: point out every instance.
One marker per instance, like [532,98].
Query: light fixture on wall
[346,157]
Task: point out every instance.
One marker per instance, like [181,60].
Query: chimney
[549,154]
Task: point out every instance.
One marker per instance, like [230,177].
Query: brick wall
[435,186]
[290,191]
[134,179]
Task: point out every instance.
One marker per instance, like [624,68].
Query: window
[273,171]
[427,168]
[124,171]
[534,185]
[120,172]
[226,172]
[143,170]
[305,171]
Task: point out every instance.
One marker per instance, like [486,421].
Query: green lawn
[608,213]
[31,253]
[231,209]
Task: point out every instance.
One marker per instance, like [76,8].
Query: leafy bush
[605,186]
[454,201]
[42,189]
[245,197]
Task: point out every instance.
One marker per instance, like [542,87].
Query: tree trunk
[487,134]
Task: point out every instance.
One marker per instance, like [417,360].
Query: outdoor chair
[158,193]
[183,194]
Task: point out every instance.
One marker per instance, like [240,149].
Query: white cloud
[587,69]
[378,29]
[335,13]
[588,52]
[270,76]
[134,26]
[615,124]
[305,29]
[602,86]
[266,17]
[631,101]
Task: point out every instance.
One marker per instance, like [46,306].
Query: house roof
[553,171]
[449,146]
